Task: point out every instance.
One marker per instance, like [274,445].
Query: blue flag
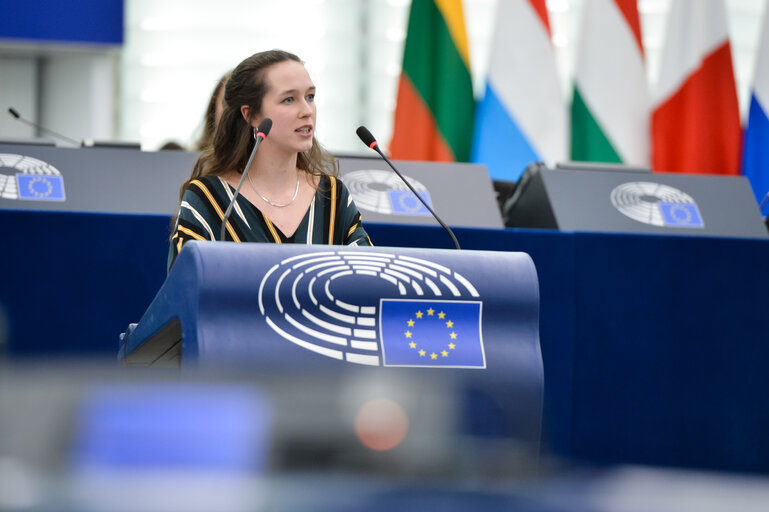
[755,153]
[41,187]
[681,215]
[755,156]
[431,333]
[406,203]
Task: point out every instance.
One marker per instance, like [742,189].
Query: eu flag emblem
[41,187]
[682,215]
[406,203]
[445,334]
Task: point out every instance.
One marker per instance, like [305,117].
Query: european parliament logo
[40,187]
[384,192]
[375,308]
[656,204]
[681,215]
[404,202]
[24,177]
[431,333]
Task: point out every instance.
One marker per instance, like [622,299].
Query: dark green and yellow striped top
[332,217]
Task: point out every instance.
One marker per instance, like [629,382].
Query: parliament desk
[655,347]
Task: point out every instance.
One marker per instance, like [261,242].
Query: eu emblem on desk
[413,312]
[40,187]
[431,333]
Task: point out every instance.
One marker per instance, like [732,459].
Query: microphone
[261,133]
[16,115]
[371,142]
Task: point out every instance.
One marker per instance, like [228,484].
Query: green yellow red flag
[435,107]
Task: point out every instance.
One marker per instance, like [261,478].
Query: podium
[464,322]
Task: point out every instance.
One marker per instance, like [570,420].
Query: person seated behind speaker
[171,145]
[213,113]
[292,193]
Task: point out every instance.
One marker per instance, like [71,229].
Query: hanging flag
[755,163]
[696,119]
[610,105]
[434,111]
[522,118]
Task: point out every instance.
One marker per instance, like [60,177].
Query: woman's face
[290,103]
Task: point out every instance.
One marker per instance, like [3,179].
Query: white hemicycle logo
[303,299]
[656,204]
[384,192]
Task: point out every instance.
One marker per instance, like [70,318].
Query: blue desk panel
[654,347]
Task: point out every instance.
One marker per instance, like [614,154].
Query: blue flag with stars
[42,187]
[685,215]
[406,203]
[431,333]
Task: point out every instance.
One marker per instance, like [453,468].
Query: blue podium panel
[324,309]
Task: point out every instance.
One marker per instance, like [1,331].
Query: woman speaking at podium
[292,194]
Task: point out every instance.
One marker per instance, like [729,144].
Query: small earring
[253,131]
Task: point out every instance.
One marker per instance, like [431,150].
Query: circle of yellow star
[46,184]
[449,324]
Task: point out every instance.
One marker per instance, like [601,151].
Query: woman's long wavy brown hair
[233,138]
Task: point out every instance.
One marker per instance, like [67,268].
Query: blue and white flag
[755,160]
[40,187]
[682,215]
[522,117]
[431,333]
[406,203]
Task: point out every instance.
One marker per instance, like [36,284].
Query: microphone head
[264,127]
[366,136]
[13,112]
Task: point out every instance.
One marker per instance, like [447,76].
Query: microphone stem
[448,229]
[73,141]
[45,130]
[237,190]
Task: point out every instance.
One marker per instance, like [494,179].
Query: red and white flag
[696,118]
